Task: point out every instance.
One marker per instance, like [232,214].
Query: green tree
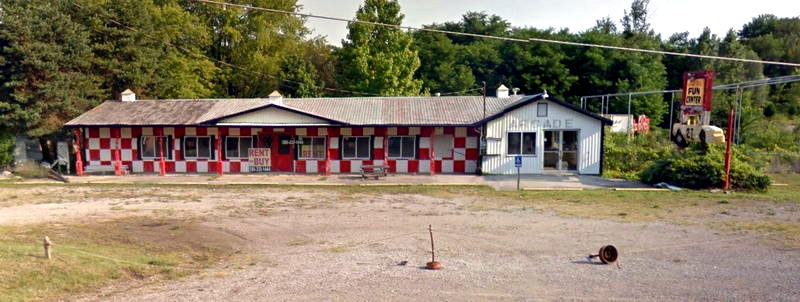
[46,67]
[534,67]
[251,44]
[445,69]
[301,78]
[154,49]
[379,59]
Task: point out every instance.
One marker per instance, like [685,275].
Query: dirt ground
[319,244]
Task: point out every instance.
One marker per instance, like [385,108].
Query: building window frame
[315,141]
[520,151]
[401,152]
[539,111]
[358,141]
[238,139]
[197,147]
[439,139]
[156,154]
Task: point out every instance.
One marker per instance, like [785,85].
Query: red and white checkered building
[427,135]
[100,144]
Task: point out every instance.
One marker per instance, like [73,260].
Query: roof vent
[276,98]
[544,94]
[515,90]
[502,91]
[127,96]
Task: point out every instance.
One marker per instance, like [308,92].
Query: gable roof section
[256,116]
[538,97]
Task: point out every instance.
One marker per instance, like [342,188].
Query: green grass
[89,256]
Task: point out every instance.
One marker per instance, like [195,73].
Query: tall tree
[252,44]
[445,70]
[46,67]
[379,59]
[154,49]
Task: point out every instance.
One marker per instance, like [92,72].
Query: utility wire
[528,40]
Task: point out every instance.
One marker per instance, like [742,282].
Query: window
[541,109]
[443,146]
[521,143]
[356,147]
[236,146]
[402,146]
[197,147]
[149,146]
[312,148]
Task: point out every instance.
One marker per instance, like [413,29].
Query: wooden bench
[373,171]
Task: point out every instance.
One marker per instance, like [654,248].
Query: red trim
[78,153]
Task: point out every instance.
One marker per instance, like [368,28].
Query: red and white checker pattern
[99,143]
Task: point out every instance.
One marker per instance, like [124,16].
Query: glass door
[552,148]
[561,150]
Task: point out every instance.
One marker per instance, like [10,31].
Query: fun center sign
[697,89]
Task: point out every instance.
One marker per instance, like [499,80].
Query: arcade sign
[697,90]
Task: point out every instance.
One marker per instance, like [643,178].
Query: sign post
[518,164]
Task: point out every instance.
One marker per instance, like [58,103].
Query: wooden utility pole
[47,244]
[728,150]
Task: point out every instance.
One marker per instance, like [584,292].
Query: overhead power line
[527,40]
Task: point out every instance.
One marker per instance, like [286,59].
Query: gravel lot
[314,246]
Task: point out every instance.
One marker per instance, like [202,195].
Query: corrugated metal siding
[524,119]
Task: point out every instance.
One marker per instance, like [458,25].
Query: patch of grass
[426,213]
[89,256]
[789,230]
[299,242]
[338,249]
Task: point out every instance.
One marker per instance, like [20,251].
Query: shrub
[6,148]
[626,158]
[699,168]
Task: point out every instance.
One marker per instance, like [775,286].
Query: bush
[30,169]
[6,148]
[701,168]
[626,158]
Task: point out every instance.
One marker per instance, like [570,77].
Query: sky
[666,17]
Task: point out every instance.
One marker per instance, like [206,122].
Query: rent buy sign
[259,159]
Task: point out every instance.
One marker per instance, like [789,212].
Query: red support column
[327,156]
[78,153]
[386,149]
[117,159]
[218,145]
[162,165]
[728,151]
[431,153]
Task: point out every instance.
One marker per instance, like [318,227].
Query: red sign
[697,89]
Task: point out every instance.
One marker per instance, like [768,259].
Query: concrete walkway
[499,182]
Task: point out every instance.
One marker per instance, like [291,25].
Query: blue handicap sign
[518,161]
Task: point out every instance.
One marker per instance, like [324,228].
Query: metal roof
[360,111]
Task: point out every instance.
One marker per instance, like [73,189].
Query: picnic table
[373,171]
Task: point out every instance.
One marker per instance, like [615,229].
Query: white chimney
[128,96]
[502,91]
[276,98]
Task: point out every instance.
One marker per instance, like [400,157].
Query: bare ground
[319,244]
